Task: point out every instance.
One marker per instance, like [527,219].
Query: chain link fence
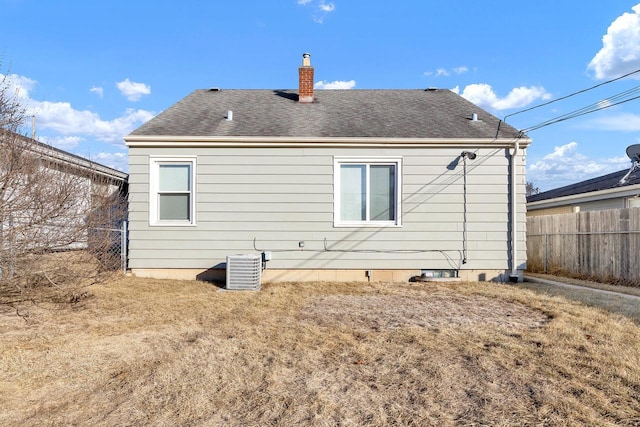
[109,246]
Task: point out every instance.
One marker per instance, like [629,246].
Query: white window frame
[339,161]
[154,181]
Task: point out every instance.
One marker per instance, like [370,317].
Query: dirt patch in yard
[383,312]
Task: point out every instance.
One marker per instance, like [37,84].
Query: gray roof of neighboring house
[604,182]
[357,113]
[64,157]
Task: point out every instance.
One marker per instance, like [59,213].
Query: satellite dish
[633,151]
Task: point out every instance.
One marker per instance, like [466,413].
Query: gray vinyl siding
[254,199]
[599,205]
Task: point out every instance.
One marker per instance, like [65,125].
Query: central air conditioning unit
[243,272]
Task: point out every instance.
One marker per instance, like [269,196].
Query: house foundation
[218,275]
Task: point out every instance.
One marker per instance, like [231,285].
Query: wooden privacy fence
[602,245]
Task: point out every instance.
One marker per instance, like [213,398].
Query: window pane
[175,177]
[352,193]
[174,207]
[382,192]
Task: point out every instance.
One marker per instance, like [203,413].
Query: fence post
[546,245]
[123,247]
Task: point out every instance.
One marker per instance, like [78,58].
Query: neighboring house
[101,180]
[51,198]
[72,162]
[616,190]
[328,184]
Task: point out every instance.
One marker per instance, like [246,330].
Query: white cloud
[133,91]
[323,84]
[67,143]
[443,72]
[62,126]
[625,122]
[566,165]
[483,95]
[62,118]
[321,9]
[18,86]
[72,126]
[522,96]
[620,53]
[480,94]
[327,7]
[562,151]
[97,90]
[118,160]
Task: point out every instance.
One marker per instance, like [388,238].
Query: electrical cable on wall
[465,155]
[452,262]
[464,209]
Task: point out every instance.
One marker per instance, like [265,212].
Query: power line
[620,98]
[576,113]
[571,94]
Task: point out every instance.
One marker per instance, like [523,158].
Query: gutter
[289,141]
[514,232]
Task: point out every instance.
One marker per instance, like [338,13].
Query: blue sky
[91,72]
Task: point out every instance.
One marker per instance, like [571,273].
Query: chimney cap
[306,59]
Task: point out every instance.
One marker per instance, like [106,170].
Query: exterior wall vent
[243,272]
[437,276]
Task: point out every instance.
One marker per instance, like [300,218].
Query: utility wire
[621,98]
[571,94]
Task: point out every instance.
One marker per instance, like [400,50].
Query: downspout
[514,235]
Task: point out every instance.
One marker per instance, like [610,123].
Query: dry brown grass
[165,353]
[535,266]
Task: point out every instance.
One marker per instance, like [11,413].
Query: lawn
[165,353]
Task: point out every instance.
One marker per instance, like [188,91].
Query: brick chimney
[305,73]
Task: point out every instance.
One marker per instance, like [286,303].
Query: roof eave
[79,163]
[611,193]
[265,141]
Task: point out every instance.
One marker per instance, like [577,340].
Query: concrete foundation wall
[275,276]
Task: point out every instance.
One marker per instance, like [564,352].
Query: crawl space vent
[243,272]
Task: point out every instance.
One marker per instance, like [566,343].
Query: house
[340,185]
[50,155]
[52,199]
[617,190]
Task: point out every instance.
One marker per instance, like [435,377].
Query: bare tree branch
[56,217]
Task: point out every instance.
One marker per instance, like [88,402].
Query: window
[367,191]
[172,193]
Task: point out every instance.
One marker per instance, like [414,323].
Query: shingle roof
[334,113]
[604,182]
